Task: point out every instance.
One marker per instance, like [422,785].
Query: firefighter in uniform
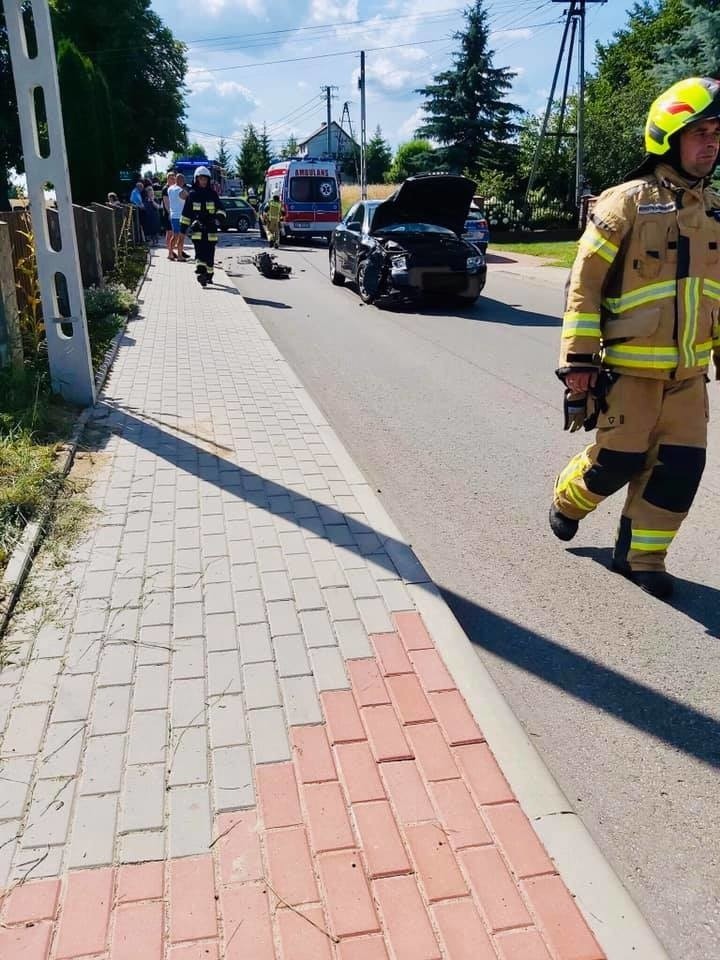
[272,221]
[200,216]
[640,327]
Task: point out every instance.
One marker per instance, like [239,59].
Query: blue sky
[244,66]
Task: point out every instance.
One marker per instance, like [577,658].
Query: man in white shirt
[177,195]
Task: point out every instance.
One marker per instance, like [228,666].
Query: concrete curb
[611,913]
[21,559]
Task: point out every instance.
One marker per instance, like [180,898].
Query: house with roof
[316,145]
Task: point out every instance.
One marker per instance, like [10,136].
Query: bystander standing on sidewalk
[165,213]
[136,195]
[151,217]
[177,194]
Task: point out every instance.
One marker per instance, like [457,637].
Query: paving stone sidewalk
[226,732]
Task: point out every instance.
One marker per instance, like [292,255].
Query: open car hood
[439,199]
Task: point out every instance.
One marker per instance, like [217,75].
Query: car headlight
[399,263]
[473,264]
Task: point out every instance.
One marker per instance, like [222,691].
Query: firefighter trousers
[653,438]
[204,256]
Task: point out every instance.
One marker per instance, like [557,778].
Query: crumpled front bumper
[418,280]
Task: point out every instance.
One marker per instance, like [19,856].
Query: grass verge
[560,254]
[34,421]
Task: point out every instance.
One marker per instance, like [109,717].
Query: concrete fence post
[107,236]
[32,56]
[88,247]
[11,351]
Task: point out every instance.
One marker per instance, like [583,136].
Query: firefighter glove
[575,410]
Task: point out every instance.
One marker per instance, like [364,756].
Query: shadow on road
[495,311]
[636,704]
[664,718]
[277,304]
[696,600]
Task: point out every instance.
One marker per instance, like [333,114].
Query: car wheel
[336,277]
[243,224]
[466,301]
[365,295]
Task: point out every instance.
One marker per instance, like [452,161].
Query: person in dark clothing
[200,216]
[151,219]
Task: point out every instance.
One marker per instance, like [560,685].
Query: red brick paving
[392,829]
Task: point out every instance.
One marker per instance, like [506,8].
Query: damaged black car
[409,245]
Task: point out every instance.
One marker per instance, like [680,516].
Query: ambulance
[309,190]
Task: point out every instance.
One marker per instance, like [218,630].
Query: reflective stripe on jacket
[202,206]
[644,291]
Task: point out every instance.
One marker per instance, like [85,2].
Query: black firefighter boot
[658,583]
[563,527]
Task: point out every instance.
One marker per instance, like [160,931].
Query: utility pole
[32,54]
[363,129]
[580,161]
[328,96]
[575,26]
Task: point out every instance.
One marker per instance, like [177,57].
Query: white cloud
[396,75]
[201,82]
[325,11]
[521,34]
[408,128]
[216,8]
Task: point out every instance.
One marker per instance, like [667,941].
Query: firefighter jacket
[200,214]
[644,291]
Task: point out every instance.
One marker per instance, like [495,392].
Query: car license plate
[302,225]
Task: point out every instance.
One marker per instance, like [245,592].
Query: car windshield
[313,189]
[416,228]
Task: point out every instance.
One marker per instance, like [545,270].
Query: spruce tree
[291,148]
[250,163]
[694,51]
[222,156]
[378,157]
[266,153]
[465,106]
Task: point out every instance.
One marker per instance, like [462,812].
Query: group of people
[176,210]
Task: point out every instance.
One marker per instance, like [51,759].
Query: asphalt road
[455,420]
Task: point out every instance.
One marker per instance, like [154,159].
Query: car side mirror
[355,226]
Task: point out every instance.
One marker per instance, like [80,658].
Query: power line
[323,56]
[265,38]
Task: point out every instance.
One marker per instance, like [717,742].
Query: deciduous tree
[144,67]
[625,83]
[415,156]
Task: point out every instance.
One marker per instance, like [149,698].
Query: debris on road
[269,267]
